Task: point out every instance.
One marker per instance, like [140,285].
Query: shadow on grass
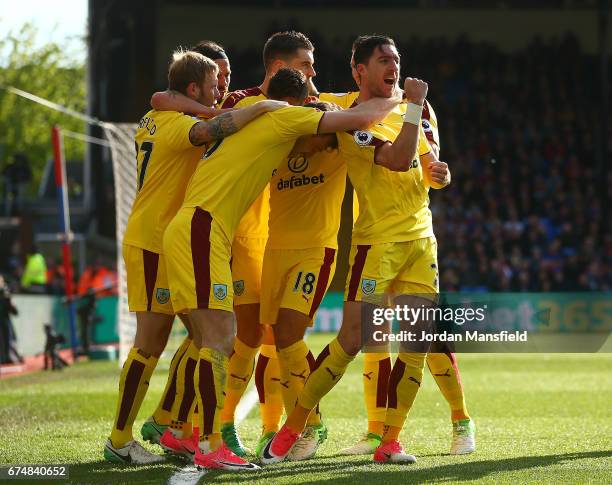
[350,470]
[360,470]
[103,472]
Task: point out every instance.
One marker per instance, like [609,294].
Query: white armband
[413,114]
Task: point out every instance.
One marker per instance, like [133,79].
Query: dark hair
[365,45]
[284,45]
[188,67]
[210,49]
[288,83]
[323,106]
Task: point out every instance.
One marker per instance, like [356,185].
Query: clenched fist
[415,90]
[439,173]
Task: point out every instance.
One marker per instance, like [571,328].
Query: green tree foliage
[46,71]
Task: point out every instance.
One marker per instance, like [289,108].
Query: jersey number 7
[147,149]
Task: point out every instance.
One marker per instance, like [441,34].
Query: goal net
[121,139]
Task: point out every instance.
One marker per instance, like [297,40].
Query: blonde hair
[189,67]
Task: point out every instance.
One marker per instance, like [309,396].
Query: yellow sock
[376,427]
[210,376]
[163,412]
[404,383]
[376,371]
[195,418]
[268,383]
[391,433]
[328,370]
[296,362]
[296,421]
[444,369]
[240,370]
[133,385]
[180,429]
[295,369]
[211,442]
[185,392]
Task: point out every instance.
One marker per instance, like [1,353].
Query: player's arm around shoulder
[398,156]
[227,124]
[174,101]
[359,117]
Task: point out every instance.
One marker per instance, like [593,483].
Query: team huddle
[234,229]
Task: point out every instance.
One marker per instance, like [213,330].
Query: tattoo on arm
[222,126]
[217,128]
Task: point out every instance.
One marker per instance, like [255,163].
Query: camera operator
[7,332]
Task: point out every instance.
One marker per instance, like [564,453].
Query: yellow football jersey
[254,223]
[344,100]
[393,206]
[429,125]
[305,201]
[429,121]
[166,160]
[236,170]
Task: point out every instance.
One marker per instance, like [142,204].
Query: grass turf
[539,417]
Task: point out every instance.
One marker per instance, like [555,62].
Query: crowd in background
[525,210]
[35,277]
[36,274]
[520,131]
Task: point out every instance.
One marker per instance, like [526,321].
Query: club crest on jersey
[162,295]
[363,138]
[238,287]
[297,164]
[426,125]
[368,286]
[220,292]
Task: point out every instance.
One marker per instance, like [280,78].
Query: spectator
[34,277]
[99,279]
[56,278]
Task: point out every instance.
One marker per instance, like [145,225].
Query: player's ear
[360,69]
[356,75]
[192,90]
[276,65]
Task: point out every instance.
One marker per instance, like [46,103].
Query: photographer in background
[96,281]
[7,333]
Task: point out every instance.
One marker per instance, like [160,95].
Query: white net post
[121,138]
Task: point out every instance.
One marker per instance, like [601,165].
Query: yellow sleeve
[296,120]
[344,100]
[176,133]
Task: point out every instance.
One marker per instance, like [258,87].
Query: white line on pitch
[190,475]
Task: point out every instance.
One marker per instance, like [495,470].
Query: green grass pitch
[539,418]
